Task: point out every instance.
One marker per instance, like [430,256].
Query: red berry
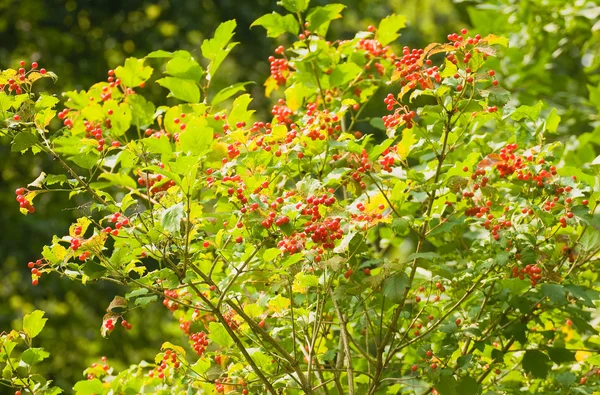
[434,366]
[584,202]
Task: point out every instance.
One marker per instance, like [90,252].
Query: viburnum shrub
[453,252]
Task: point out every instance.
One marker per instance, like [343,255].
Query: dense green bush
[457,254]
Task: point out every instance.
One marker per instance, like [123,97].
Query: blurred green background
[554,55]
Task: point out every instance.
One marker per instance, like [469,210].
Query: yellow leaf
[568,332]
[171,346]
[405,145]
[270,86]
[95,244]
[279,303]
[492,39]
[582,355]
[298,288]
[82,222]
[294,96]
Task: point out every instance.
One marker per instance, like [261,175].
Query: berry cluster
[16,85]
[362,165]
[279,66]
[281,112]
[374,48]
[24,203]
[155,182]
[98,370]
[401,114]
[320,124]
[169,363]
[387,160]
[410,68]
[35,272]
[199,342]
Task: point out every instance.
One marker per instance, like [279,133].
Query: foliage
[458,255]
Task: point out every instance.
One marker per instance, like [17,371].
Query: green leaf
[561,355]
[86,161]
[537,363]
[145,300]
[389,27]
[133,73]
[566,378]
[496,95]
[93,270]
[160,54]
[186,90]
[446,385]
[31,356]
[530,112]
[34,323]
[224,33]
[468,385]
[185,68]
[580,293]
[400,226]
[289,261]
[142,111]
[219,335]
[334,177]
[277,24]
[121,119]
[395,286]
[344,73]
[271,254]
[294,6]
[197,137]
[552,121]
[226,93]
[428,256]
[119,179]
[594,95]
[88,387]
[135,293]
[52,179]
[555,292]
[217,48]
[319,17]
[514,285]
[23,141]
[239,111]
[171,218]
[306,280]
